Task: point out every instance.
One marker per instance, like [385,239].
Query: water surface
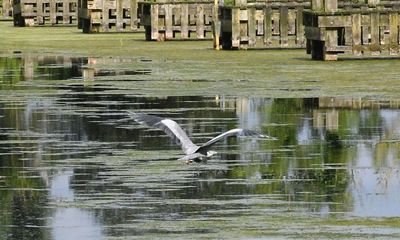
[74,165]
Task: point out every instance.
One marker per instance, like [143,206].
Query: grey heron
[193,152]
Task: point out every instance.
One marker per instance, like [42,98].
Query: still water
[73,165]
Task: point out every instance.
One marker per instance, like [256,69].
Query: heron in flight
[193,152]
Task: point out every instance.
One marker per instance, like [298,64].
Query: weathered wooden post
[108,15]
[263,24]
[394,33]
[216,25]
[359,27]
[168,20]
[41,12]
[237,28]
[53,12]
[7,8]
[134,15]
[324,38]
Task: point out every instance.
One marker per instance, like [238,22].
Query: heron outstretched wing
[232,132]
[170,127]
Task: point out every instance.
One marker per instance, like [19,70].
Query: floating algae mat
[73,163]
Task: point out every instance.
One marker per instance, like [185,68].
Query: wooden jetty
[108,16]
[6,7]
[263,24]
[177,20]
[44,12]
[362,28]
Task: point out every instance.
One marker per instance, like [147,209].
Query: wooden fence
[362,28]
[177,20]
[266,24]
[108,15]
[44,12]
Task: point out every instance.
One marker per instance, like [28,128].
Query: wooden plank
[66,12]
[356,32]
[154,22]
[299,26]
[176,15]
[235,27]
[134,15]
[240,3]
[331,43]
[365,34]
[39,12]
[267,26]
[243,35]
[251,15]
[375,44]
[276,16]
[200,21]
[119,11]
[260,26]
[317,5]
[184,21]
[334,21]
[338,49]
[365,29]
[394,33]
[331,38]
[348,36]
[53,16]
[216,26]
[105,14]
[168,21]
[284,26]
[331,5]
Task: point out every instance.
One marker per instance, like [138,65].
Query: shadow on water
[72,162]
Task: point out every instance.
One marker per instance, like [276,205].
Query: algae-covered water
[73,165]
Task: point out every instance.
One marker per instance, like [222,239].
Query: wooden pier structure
[177,20]
[263,24]
[6,7]
[108,16]
[44,12]
[363,28]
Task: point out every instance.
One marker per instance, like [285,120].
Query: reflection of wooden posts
[328,119]
[41,12]
[165,21]
[29,67]
[267,24]
[356,103]
[109,15]
[353,27]
[88,74]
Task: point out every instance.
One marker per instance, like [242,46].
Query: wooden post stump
[362,29]
[267,24]
[44,12]
[178,20]
[109,16]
